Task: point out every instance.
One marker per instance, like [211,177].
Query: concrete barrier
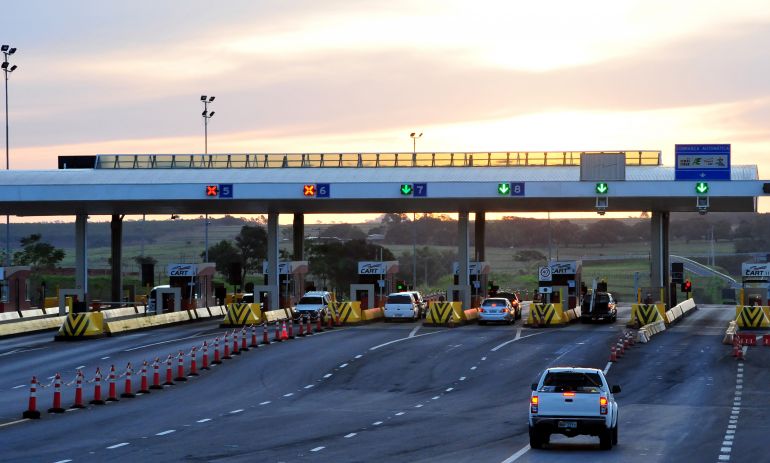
[643,314]
[470,315]
[445,314]
[752,316]
[546,315]
[119,312]
[31,326]
[370,315]
[32,313]
[348,313]
[5,316]
[243,314]
[149,321]
[79,326]
[270,316]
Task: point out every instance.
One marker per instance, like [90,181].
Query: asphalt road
[394,392]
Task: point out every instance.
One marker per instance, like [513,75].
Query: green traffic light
[406,189]
[504,188]
[602,188]
[701,188]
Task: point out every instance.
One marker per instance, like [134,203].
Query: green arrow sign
[503,188]
[406,189]
[602,188]
[701,188]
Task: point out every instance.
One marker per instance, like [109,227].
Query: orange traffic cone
[32,411]
[244,347]
[308,327]
[278,332]
[127,393]
[265,335]
[613,355]
[98,388]
[284,333]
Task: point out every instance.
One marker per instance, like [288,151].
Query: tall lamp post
[206,116]
[414,136]
[7,69]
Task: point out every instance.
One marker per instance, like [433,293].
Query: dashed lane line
[517,338]
[607,367]
[265,402]
[400,413]
[317,449]
[348,436]
[377,423]
[343,365]
[204,420]
[236,411]
[309,386]
[163,433]
[358,356]
[159,343]
[62,461]
[406,339]
[116,446]
[450,389]
[327,375]
[19,386]
[289,394]
[517,455]
[21,351]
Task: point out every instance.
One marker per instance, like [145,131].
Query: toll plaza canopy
[367,182]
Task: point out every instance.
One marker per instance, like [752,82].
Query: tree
[140,260]
[37,254]
[336,263]
[252,244]
[345,231]
[223,254]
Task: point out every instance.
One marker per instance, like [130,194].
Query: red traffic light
[308,190]
[687,286]
[212,190]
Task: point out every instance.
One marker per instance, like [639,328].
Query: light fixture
[203,97]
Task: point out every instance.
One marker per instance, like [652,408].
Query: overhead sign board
[287,267]
[316,190]
[222,190]
[182,270]
[702,162]
[377,268]
[755,270]
[474,268]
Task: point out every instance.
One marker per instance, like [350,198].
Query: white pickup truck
[573,401]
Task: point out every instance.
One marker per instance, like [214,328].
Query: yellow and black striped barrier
[545,315]
[242,314]
[445,314]
[85,325]
[644,314]
[348,313]
[753,317]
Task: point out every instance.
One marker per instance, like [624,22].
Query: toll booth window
[27,291]
[4,291]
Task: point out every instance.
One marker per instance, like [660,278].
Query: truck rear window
[399,299]
[571,382]
[311,300]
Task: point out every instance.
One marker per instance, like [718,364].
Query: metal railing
[280,160]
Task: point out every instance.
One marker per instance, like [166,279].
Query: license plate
[567,424]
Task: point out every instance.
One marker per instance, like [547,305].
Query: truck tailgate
[568,404]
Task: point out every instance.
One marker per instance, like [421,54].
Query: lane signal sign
[503,188]
[602,188]
[308,190]
[406,189]
[701,188]
[212,190]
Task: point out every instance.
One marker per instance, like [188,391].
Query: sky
[358,76]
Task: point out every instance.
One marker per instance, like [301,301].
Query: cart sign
[377,267]
[564,267]
[702,162]
[182,270]
[755,270]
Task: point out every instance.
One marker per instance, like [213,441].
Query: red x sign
[309,190]
[212,190]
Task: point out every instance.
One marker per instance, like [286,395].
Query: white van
[314,304]
[152,300]
[401,305]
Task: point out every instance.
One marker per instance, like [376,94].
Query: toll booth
[375,281]
[561,279]
[755,279]
[291,277]
[14,288]
[195,283]
[478,276]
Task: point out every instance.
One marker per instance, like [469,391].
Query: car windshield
[311,300]
[399,299]
[493,303]
[571,381]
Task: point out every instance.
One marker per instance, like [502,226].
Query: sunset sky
[352,76]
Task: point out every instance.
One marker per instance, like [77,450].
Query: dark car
[599,307]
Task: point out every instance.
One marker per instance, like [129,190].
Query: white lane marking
[483,358]
[19,351]
[517,455]
[607,367]
[435,397]
[724,457]
[414,331]
[348,436]
[328,375]
[19,386]
[377,423]
[80,367]
[728,438]
[450,389]
[265,402]
[163,433]
[358,356]
[122,444]
[204,420]
[731,426]
[406,339]
[62,461]
[518,337]
[462,378]
[166,342]
[725,449]
[236,411]
[317,449]
[418,406]
[399,413]
[727,443]
[105,358]
[343,365]
[473,367]
[289,394]
[309,386]
[13,422]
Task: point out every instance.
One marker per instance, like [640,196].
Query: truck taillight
[481,309]
[533,404]
[505,310]
[603,405]
[569,394]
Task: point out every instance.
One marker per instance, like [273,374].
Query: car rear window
[493,303]
[399,299]
[311,300]
[601,299]
[572,382]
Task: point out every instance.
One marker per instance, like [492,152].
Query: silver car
[496,309]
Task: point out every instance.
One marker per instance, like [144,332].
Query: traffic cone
[613,355]
[235,343]
[766,340]
[193,362]
[98,388]
[56,408]
[127,388]
[143,386]
[169,371]
[284,333]
[254,342]
[329,322]
[78,391]
[301,330]
[319,326]
[277,332]
[621,350]
[265,336]
[308,327]
[625,342]
[180,367]
[217,360]
[112,395]
[226,342]
[31,412]
[156,374]
[244,347]
[205,359]
[291,329]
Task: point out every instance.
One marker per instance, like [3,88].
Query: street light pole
[7,69]
[414,136]
[206,116]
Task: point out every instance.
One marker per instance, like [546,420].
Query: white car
[573,401]
[313,304]
[401,306]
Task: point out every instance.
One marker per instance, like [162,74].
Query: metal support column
[116,258]
[81,254]
[659,257]
[298,231]
[272,260]
[479,227]
[462,259]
